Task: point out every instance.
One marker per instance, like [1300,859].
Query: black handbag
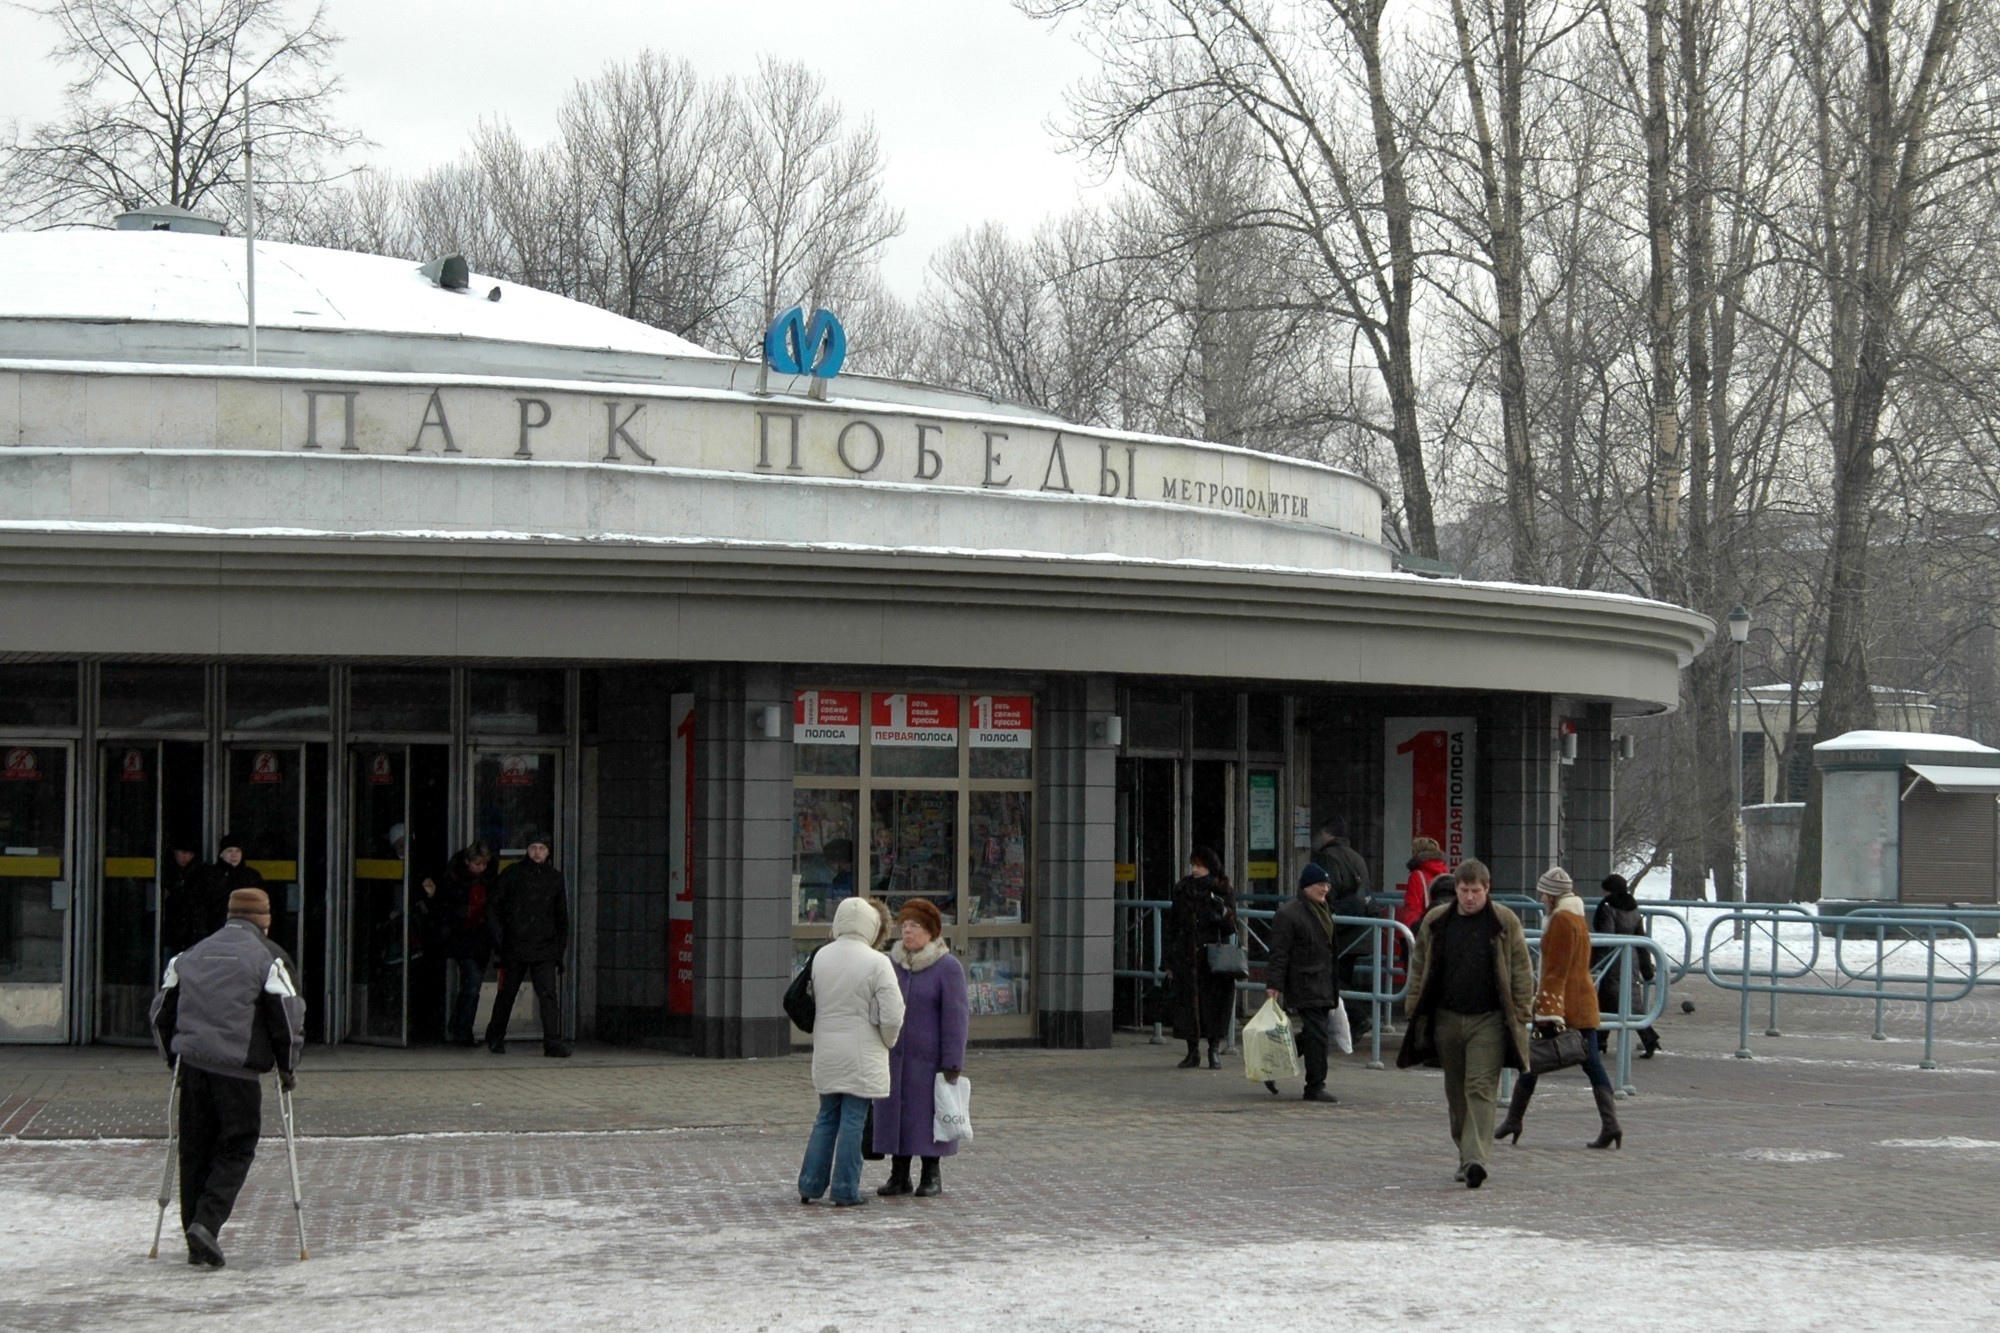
[800,1006]
[1548,1054]
[1227,959]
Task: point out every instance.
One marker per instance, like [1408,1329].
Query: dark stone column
[1075,795]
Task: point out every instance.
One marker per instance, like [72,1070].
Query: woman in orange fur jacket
[1566,997]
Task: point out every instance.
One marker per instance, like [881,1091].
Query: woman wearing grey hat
[1566,997]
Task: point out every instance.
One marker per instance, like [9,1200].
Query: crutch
[292,1159]
[167,1171]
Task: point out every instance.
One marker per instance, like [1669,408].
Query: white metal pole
[249,230]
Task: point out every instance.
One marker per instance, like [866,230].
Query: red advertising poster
[133,767]
[826,717]
[1003,722]
[264,768]
[1428,768]
[21,766]
[680,872]
[381,772]
[913,719]
[518,770]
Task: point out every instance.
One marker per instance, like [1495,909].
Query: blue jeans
[465,997]
[835,1149]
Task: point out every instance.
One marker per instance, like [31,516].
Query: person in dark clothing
[183,896]
[1347,875]
[1618,914]
[228,1009]
[529,918]
[1472,988]
[1203,913]
[228,873]
[1300,973]
[459,915]
[423,944]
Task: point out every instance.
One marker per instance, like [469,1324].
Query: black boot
[1193,1060]
[931,1183]
[1214,1060]
[1651,1041]
[899,1178]
[1517,1111]
[1612,1135]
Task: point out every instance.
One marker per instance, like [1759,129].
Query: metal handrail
[1748,980]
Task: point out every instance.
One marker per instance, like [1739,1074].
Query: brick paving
[434,1150]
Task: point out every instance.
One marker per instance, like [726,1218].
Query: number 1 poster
[1428,771]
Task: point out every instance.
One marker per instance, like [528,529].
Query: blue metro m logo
[794,347]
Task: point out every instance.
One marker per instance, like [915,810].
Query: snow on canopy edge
[1904,740]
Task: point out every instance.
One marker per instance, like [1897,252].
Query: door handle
[58,895]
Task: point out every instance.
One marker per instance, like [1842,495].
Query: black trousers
[221,1118]
[512,973]
[1314,1035]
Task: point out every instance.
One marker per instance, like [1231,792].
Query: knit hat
[249,902]
[1614,884]
[535,835]
[1554,883]
[1314,873]
[925,913]
[226,841]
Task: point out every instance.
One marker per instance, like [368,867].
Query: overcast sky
[961,90]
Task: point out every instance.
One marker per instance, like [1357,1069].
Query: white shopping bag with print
[1269,1049]
[951,1110]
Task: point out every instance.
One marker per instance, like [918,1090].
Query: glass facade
[903,794]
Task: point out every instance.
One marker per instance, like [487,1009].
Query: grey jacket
[230,1005]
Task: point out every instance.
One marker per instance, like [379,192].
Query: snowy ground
[570,1263]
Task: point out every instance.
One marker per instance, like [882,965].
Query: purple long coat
[933,1038]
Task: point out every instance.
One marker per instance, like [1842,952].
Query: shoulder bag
[1227,959]
[800,1006]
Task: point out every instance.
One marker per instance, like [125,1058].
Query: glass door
[378,973]
[515,793]
[34,891]
[151,906]
[265,807]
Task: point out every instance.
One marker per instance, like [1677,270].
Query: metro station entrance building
[439,568]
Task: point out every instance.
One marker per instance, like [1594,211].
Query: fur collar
[921,959]
[1569,902]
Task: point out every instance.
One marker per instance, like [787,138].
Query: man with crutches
[228,1011]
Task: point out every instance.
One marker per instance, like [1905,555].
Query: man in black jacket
[228,1010]
[529,917]
[1300,972]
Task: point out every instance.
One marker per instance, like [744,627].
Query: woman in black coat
[1618,914]
[1203,913]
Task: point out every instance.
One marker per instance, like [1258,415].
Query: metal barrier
[1623,959]
[1874,984]
[1150,932]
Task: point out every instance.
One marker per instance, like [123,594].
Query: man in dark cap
[1300,974]
[228,1010]
[229,873]
[529,917]
[183,896]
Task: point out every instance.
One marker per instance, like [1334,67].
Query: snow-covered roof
[181,278]
[1904,740]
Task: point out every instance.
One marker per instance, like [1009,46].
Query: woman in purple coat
[933,1043]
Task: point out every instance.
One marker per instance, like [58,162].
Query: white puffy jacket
[858,1007]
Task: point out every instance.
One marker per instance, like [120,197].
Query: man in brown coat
[1472,988]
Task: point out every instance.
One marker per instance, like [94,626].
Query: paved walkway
[1827,1177]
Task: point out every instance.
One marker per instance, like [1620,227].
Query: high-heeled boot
[1214,1060]
[1517,1111]
[899,1178]
[1612,1135]
[1651,1041]
[932,1182]
[1193,1058]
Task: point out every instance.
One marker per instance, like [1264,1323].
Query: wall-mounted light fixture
[1108,730]
[767,720]
[1568,750]
[1628,745]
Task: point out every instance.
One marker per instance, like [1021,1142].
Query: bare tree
[814,209]
[165,93]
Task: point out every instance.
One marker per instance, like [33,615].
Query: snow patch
[1786,1155]
[1949,1141]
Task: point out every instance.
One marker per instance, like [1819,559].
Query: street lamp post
[1739,634]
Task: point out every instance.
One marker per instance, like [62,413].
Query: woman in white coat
[858,1015]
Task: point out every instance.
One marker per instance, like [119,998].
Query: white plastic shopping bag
[1340,1029]
[951,1110]
[1270,1051]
